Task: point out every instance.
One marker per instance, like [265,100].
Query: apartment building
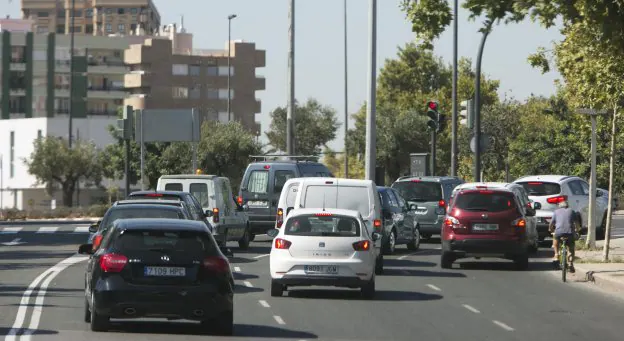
[92,17]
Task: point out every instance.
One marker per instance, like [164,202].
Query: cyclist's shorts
[570,240]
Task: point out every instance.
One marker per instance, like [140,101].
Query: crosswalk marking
[81,229]
[47,229]
[10,230]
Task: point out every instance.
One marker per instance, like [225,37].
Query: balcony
[260,83]
[106,65]
[105,92]
[101,112]
[136,80]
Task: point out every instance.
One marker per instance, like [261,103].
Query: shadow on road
[261,250]
[239,276]
[240,260]
[18,291]
[406,262]
[241,289]
[20,266]
[503,266]
[5,331]
[381,295]
[422,273]
[32,254]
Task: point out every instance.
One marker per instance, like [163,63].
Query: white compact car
[323,247]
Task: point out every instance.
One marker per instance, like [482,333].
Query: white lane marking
[502,325]
[411,254]
[264,304]
[236,269]
[474,310]
[36,315]
[11,230]
[248,284]
[50,229]
[434,287]
[14,242]
[278,319]
[81,229]
[261,256]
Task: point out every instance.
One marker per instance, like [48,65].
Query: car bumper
[351,270]
[484,247]
[430,228]
[259,224]
[330,281]
[186,302]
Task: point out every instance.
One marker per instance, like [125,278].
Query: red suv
[485,223]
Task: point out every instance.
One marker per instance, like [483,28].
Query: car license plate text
[485,227]
[257,204]
[321,269]
[164,271]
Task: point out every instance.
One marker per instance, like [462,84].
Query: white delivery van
[214,193]
[348,194]
[287,199]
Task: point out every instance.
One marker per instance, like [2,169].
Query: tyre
[252,236]
[446,260]
[522,262]
[222,325]
[601,230]
[243,243]
[277,290]
[379,265]
[368,290]
[99,323]
[87,311]
[414,244]
[390,243]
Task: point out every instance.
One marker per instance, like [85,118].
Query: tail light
[111,262]
[282,244]
[377,224]
[239,200]
[97,240]
[520,222]
[486,192]
[216,264]
[557,199]
[280,217]
[441,203]
[215,215]
[441,210]
[363,245]
[455,225]
[153,195]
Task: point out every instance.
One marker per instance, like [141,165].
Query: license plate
[164,271]
[258,203]
[421,211]
[485,227]
[321,269]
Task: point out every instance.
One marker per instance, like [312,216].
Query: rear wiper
[326,234]
[477,209]
[162,249]
[416,199]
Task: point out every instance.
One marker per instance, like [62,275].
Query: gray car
[428,197]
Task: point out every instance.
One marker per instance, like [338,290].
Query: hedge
[94,211]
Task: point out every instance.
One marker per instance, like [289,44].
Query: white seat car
[323,247]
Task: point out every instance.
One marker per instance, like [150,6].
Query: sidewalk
[590,268]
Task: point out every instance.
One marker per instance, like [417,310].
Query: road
[477,300]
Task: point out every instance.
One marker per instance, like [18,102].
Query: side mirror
[208,213]
[288,210]
[85,249]
[537,206]
[272,233]
[413,207]
[376,236]
[226,251]
[94,227]
[599,194]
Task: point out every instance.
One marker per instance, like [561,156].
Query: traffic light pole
[433,152]
[127,166]
[477,108]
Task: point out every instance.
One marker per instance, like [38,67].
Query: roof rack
[284,157]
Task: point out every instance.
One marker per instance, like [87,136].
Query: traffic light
[126,124]
[199,171]
[432,112]
[442,122]
[467,114]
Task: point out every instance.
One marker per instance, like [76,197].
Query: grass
[616,259]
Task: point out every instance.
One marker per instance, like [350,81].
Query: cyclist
[563,224]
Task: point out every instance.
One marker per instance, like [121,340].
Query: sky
[319,46]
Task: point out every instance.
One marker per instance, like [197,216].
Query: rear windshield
[200,192]
[487,201]
[541,188]
[344,197]
[189,242]
[312,225]
[421,191]
[130,212]
[258,182]
[312,171]
[173,186]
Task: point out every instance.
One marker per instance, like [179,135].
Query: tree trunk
[68,193]
[607,241]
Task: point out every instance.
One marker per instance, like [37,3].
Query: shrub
[94,211]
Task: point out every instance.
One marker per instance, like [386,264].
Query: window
[212,93]
[223,70]
[194,70]
[78,13]
[227,200]
[109,28]
[291,195]
[224,117]
[121,28]
[77,29]
[180,92]
[109,11]
[344,197]
[42,29]
[419,191]
[43,14]
[223,93]
[121,10]
[200,192]
[190,243]
[60,29]
[39,134]
[174,187]
[136,211]
[585,187]
[179,70]
[133,27]
[541,188]
[258,182]
[89,12]
[134,11]
[487,202]
[195,92]
[60,13]
[12,155]
[281,176]
[212,71]
[387,200]
[400,199]
[331,226]
[89,29]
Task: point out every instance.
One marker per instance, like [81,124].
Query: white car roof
[336,211]
[339,181]
[547,178]
[474,185]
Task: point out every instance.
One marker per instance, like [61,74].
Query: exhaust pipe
[129,311]
[198,313]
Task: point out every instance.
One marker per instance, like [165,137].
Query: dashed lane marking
[278,319]
[264,304]
[237,269]
[474,310]
[434,287]
[261,256]
[248,284]
[81,229]
[11,230]
[502,325]
[47,229]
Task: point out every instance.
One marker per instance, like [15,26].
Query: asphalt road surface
[416,300]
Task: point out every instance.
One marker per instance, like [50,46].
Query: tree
[315,126]
[53,162]
[225,149]
[336,165]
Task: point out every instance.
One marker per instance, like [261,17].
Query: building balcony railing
[105,88]
[98,112]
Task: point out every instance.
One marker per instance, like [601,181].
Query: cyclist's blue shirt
[563,219]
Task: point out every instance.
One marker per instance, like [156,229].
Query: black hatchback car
[159,268]
[400,224]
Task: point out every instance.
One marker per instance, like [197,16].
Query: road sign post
[419,164]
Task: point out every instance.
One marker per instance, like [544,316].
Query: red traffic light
[432,105]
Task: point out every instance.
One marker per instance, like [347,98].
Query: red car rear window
[486,201]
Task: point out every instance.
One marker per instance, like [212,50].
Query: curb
[50,221]
[585,275]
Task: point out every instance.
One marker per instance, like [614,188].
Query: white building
[19,189]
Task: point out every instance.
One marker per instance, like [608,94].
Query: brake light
[280,217]
[486,192]
[481,186]
[377,223]
[441,203]
[520,222]
[239,200]
[557,199]
[282,244]
[535,183]
[215,215]
[216,264]
[267,167]
[111,262]
[415,180]
[97,240]
[153,195]
[455,225]
[363,245]
[323,214]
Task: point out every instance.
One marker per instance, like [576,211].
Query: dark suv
[400,225]
[486,223]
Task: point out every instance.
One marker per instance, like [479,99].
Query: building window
[18,54]
[194,70]
[121,10]
[61,81]
[224,117]
[12,155]
[40,55]
[89,12]
[179,70]
[133,27]
[223,93]
[61,105]
[60,13]
[17,80]
[121,28]
[42,29]
[17,104]
[89,28]
[180,92]
[212,71]
[78,13]
[134,11]
[60,29]
[39,134]
[109,28]
[43,14]
[77,29]
[109,11]
[195,92]
[212,94]
[223,70]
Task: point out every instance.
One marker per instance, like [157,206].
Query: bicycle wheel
[564,263]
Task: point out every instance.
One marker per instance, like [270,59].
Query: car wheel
[368,289]
[252,236]
[414,244]
[601,231]
[87,311]
[446,260]
[99,323]
[277,290]
[390,244]
[522,262]
[243,243]
[379,265]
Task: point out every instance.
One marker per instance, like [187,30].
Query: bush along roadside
[94,211]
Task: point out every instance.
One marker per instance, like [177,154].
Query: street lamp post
[71,71]
[346,96]
[230,17]
[371,141]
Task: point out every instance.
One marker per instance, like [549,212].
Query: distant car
[159,268]
[317,247]
[486,222]
[400,224]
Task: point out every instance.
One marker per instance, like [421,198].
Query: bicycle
[563,256]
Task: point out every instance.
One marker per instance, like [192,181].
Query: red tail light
[280,217]
[97,240]
[377,224]
[486,192]
[323,214]
[215,215]
[363,245]
[455,225]
[111,262]
[415,180]
[239,200]
[267,167]
[441,203]
[153,195]
[520,222]
[535,183]
[557,199]
[282,244]
[216,264]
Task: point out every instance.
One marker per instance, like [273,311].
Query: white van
[349,194]
[287,199]
[214,193]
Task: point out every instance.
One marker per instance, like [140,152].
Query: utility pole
[371,143]
[71,71]
[591,224]
[229,79]
[609,222]
[454,95]
[346,95]
[477,104]
[290,121]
